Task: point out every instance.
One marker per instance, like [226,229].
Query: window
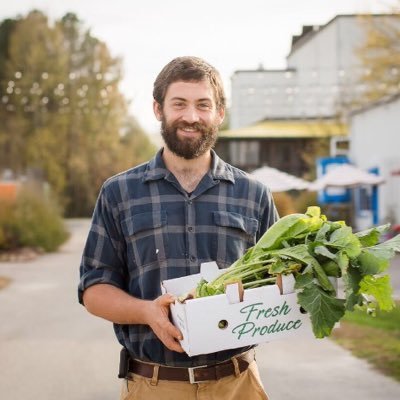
[244,152]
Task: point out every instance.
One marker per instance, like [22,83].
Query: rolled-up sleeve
[103,255]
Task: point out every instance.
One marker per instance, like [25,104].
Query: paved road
[50,347]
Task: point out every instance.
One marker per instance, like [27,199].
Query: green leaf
[342,261]
[201,289]
[380,288]
[343,238]
[300,253]
[304,226]
[351,280]
[370,237]
[324,309]
[313,211]
[277,267]
[273,237]
[393,243]
[303,280]
[386,249]
[323,251]
[331,268]
[321,234]
[370,264]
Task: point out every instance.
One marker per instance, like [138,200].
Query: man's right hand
[117,306]
[158,320]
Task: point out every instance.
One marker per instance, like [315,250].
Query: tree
[380,56]
[61,109]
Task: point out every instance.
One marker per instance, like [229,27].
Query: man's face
[189,118]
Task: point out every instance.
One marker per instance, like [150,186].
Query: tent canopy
[279,181]
[345,175]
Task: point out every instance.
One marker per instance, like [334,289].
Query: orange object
[8,190]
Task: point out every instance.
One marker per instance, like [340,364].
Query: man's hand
[117,306]
[158,320]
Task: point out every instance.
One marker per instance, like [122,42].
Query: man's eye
[204,105]
[179,105]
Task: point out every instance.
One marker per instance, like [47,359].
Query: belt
[194,374]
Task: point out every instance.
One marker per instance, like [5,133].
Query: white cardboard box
[222,322]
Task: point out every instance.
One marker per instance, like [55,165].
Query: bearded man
[161,220]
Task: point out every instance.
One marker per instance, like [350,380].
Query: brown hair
[188,69]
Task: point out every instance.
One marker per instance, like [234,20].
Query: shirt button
[190,202]
[190,228]
[192,258]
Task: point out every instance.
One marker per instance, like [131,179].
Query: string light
[35,97]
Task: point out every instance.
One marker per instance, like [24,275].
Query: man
[161,220]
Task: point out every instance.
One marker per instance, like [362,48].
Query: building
[277,116]
[281,144]
[322,74]
[374,145]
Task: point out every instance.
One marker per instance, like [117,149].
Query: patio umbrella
[345,175]
[279,181]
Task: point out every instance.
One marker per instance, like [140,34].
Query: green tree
[380,56]
[61,109]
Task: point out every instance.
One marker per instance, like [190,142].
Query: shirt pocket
[146,237]
[235,234]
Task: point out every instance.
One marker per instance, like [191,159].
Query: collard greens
[314,250]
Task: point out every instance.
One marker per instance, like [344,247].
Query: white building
[322,72]
[375,143]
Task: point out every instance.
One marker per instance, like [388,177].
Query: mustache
[195,125]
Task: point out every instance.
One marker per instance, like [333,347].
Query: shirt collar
[220,169]
[156,169]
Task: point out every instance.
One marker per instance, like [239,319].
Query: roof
[239,71]
[346,175]
[288,128]
[308,31]
[382,101]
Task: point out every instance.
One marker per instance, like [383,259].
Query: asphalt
[50,347]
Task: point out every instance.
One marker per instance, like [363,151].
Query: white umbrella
[345,175]
[279,181]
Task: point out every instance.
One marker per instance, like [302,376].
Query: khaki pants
[246,386]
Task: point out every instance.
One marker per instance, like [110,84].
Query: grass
[375,339]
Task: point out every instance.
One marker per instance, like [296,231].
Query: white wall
[375,142]
[257,94]
[322,72]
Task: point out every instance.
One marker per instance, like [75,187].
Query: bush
[32,221]
[294,202]
[284,203]
[305,199]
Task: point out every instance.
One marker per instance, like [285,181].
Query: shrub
[305,199]
[294,201]
[32,221]
[7,226]
[284,203]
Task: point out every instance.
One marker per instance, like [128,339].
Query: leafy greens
[314,250]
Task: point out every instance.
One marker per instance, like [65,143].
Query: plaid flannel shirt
[147,229]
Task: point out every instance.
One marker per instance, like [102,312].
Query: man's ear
[157,110]
[221,115]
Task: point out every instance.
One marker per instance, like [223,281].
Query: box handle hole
[223,324]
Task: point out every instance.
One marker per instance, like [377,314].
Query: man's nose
[190,115]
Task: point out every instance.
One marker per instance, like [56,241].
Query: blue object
[332,195]
[374,198]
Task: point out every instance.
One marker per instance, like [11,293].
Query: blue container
[332,195]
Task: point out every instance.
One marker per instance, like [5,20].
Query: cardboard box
[226,321]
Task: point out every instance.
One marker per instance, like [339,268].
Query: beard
[189,148]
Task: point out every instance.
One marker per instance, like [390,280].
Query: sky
[230,34]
